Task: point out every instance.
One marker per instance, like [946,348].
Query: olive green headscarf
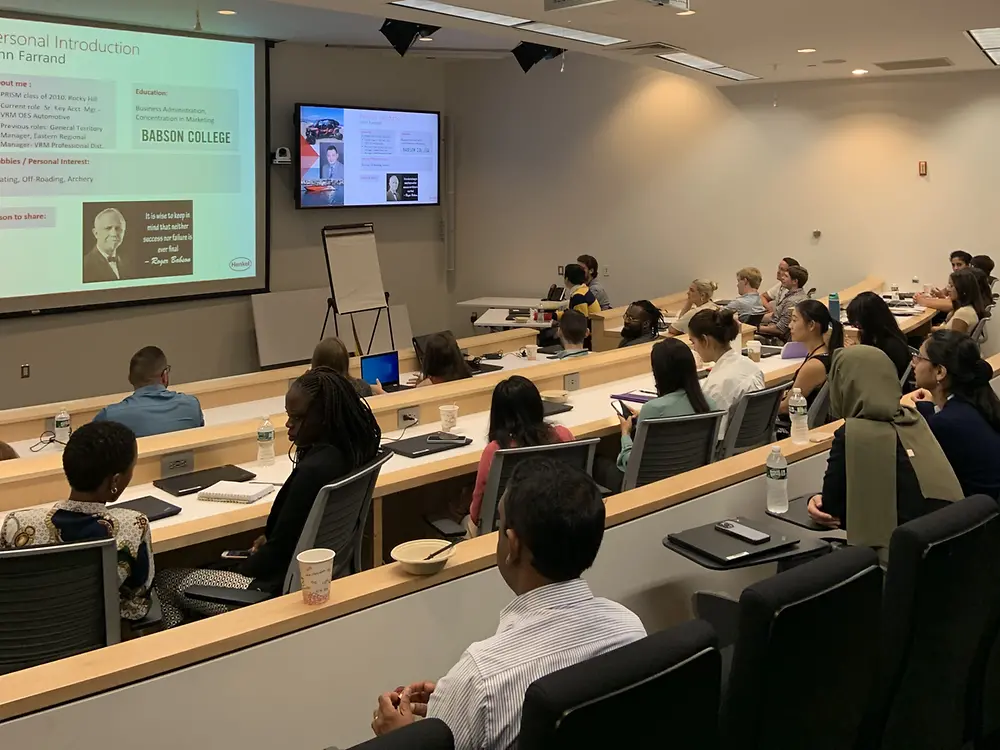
[865,391]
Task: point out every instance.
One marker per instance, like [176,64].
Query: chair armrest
[227,596]
[721,612]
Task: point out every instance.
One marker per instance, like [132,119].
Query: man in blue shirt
[748,303]
[153,409]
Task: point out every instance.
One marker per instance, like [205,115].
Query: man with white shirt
[551,526]
[103,263]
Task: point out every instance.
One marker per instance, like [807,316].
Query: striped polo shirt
[540,632]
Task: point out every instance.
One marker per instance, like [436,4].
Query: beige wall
[86,353]
[665,179]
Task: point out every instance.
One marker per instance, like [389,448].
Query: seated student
[712,335]
[581,298]
[153,409]
[572,331]
[643,321]
[985,285]
[773,295]
[967,303]
[334,434]
[517,420]
[939,299]
[776,323]
[877,327]
[589,263]
[885,466]
[6,452]
[551,526]
[812,326]
[956,399]
[678,392]
[98,462]
[442,361]
[749,302]
[985,264]
[331,352]
[699,297]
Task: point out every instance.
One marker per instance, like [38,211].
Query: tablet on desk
[425,445]
[187,484]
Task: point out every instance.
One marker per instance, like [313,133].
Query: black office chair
[751,421]
[336,521]
[57,601]
[669,446]
[941,584]
[819,411]
[427,734]
[806,655]
[755,319]
[660,692]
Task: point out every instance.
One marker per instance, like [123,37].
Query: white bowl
[411,556]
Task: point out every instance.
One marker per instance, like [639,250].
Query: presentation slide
[128,166]
[366,157]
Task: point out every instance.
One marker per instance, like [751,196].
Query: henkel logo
[240,264]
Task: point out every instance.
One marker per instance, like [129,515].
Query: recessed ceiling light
[687,13]
[859,72]
[989,42]
[497,19]
[806,50]
[575,34]
[708,66]
[226,12]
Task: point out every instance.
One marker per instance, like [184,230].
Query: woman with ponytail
[813,327]
[332,433]
[956,399]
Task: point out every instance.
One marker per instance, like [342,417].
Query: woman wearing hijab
[859,495]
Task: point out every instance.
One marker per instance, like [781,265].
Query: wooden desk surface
[70,679]
[28,422]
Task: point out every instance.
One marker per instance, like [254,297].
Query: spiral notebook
[235,492]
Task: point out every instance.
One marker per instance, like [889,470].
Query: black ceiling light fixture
[529,54]
[402,34]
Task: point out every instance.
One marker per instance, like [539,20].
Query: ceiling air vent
[652,48]
[930,62]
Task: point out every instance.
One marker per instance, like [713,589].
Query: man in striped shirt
[551,526]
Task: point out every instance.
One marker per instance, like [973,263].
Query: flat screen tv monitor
[366,157]
[125,155]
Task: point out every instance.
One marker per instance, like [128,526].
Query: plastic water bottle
[265,442]
[894,292]
[777,482]
[798,410]
[63,426]
[834,305]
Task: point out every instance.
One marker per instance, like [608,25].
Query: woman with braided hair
[333,434]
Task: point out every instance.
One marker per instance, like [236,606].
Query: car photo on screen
[326,129]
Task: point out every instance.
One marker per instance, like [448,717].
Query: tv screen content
[366,157]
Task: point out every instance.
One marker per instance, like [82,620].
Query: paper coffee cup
[532,350]
[315,573]
[753,350]
[449,417]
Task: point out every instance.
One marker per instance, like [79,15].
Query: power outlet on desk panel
[571,382]
[407,417]
[25,371]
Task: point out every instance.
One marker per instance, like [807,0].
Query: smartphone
[236,554]
[445,437]
[734,528]
[618,410]
[492,355]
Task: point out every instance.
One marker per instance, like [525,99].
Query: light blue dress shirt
[154,410]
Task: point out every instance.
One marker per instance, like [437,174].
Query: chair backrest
[577,453]
[428,734]
[755,319]
[829,606]
[669,446]
[819,411]
[660,692]
[337,521]
[751,420]
[57,601]
[905,377]
[944,569]
[976,334]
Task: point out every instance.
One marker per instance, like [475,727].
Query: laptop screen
[381,367]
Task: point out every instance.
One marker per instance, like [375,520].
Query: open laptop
[383,368]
